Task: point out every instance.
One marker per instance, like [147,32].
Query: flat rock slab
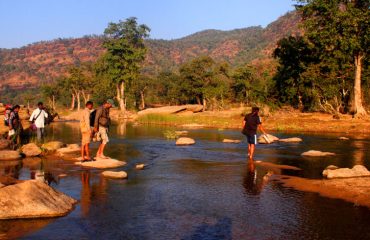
[267,139]
[71,148]
[102,163]
[183,141]
[53,146]
[343,138]
[116,175]
[172,109]
[230,141]
[9,155]
[31,150]
[356,171]
[291,140]
[33,199]
[314,153]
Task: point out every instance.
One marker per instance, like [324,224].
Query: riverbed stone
[70,148]
[102,163]
[271,138]
[4,144]
[53,146]
[231,141]
[291,140]
[343,138]
[185,141]
[314,153]
[116,175]
[31,150]
[140,166]
[356,171]
[9,155]
[33,199]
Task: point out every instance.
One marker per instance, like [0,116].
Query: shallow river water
[202,191]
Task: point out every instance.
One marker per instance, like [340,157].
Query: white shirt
[40,121]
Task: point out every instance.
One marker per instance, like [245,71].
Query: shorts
[103,131]
[86,138]
[252,139]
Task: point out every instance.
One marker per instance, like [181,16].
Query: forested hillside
[42,62]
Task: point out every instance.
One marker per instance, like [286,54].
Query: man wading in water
[251,123]
[101,126]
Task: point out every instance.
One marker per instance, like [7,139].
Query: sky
[27,21]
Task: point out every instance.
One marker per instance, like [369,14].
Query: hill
[40,62]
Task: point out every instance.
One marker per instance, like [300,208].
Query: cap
[111,102]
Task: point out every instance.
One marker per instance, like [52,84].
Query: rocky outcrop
[291,140]
[357,171]
[172,109]
[267,139]
[102,163]
[185,141]
[4,144]
[9,155]
[53,146]
[31,150]
[314,153]
[230,141]
[116,175]
[33,199]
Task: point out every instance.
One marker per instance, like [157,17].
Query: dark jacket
[102,117]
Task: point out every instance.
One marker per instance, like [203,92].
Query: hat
[111,102]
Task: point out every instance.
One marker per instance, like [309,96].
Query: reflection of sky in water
[202,191]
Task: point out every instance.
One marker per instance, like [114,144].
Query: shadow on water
[204,191]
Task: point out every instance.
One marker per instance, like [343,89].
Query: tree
[340,29]
[124,42]
[50,92]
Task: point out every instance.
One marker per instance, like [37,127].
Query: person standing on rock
[86,131]
[101,126]
[15,126]
[38,117]
[251,123]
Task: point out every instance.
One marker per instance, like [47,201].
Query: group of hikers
[39,118]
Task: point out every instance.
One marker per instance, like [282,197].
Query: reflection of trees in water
[358,152]
[122,127]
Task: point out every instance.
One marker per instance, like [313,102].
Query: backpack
[92,118]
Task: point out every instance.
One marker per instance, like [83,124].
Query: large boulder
[172,109]
[185,141]
[9,155]
[291,140]
[230,141]
[33,199]
[4,144]
[117,175]
[31,150]
[53,146]
[102,163]
[356,171]
[314,153]
[267,139]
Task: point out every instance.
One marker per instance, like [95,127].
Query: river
[202,191]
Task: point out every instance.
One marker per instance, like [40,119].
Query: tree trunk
[198,100]
[142,97]
[121,96]
[53,102]
[204,104]
[78,101]
[73,102]
[84,97]
[357,107]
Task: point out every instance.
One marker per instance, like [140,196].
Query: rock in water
[185,141]
[71,148]
[343,138]
[262,139]
[356,171]
[31,150]
[33,199]
[102,163]
[9,155]
[53,146]
[117,175]
[291,140]
[230,141]
[314,153]
[140,166]
[4,144]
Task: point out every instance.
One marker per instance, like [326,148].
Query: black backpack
[92,118]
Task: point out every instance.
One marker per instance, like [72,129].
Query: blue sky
[27,21]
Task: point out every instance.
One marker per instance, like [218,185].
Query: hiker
[37,118]
[15,126]
[8,110]
[251,123]
[86,131]
[101,126]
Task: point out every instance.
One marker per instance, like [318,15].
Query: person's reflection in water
[253,183]
[85,193]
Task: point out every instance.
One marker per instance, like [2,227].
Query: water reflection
[358,152]
[122,127]
[255,179]
[85,193]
